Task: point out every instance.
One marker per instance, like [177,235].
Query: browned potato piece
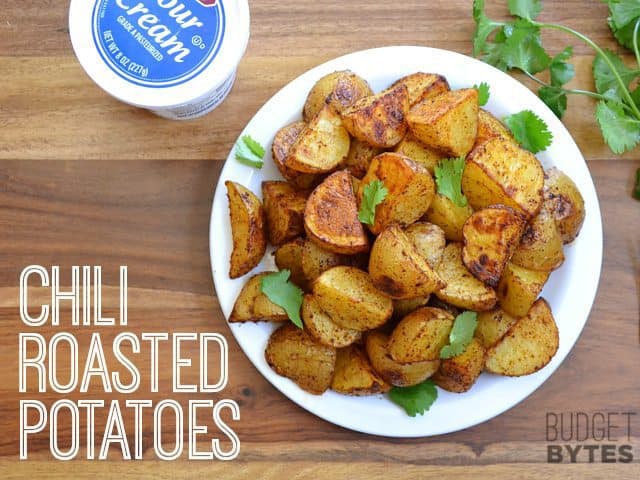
[403,307]
[528,346]
[331,216]
[379,119]
[349,297]
[247,229]
[354,375]
[462,289]
[394,373]
[423,85]
[321,146]
[541,244]
[500,172]
[447,122]
[338,89]
[359,157]
[254,306]
[490,127]
[411,188]
[289,256]
[398,269]
[519,288]
[441,304]
[282,143]
[429,241]
[491,235]
[448,216]
[284,209]
[420,335]
[566,203]
[316,260]
[322,328]
[419,153]
[459,373]
[492,326]
[292,353]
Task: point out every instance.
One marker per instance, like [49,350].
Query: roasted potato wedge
[284,209]
[321,146]
[448,216]
[404,307]
[492,325]
[500,172]
[528,345]
[398,269]
[254,306]
[459,373]
[322,328]
[354,375]
[462,289]
[490,127]
[421,86]
[394,373]
[282,143]
[541,244]
[420,335]
[338,89]
[447,122]
[331,216]
[519,288]
[293,353]
[379,119]
[289,256]
[247,229]
[316,260]
[349,297]
[491,235]
[412,148]
[429,240]
[565,202]
[411,189]
[359,158]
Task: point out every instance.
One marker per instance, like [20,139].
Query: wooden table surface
[145,203]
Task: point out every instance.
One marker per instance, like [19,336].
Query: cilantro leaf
[561,71]
[528,9]
[449,179]
[277,287]
[624,12]
[416,399]
[461,334]
[621,132]
[483,93]
[605,80]
[523,47]
[484,27]
[624,33]
[554,98]
[529,130]
[373,194]
[636,188]
[250,152]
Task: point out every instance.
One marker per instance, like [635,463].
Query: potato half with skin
[398,269]
[500,172]
[410,190]
[447,122]
[322,328]
[459,373]
[316,260]
[448,216]
[289,256]
[247,229]
[565,202]
[403,307]
[321,146]
[359,158]
[420,335]
[528,346]
[293,353]
[411,147]
[338,89]
[519,288]
[491,235]
[462,289]
[492,325]
[331,216]
[349,297]
[254,306]
[540,247]
[394,373]
[429,240]
[354,374]
[490,127]
[284,210]
[379,119]
[282,143]
[422,85]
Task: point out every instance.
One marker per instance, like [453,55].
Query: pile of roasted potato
[380,300]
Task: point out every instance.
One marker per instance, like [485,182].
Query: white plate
[570,290]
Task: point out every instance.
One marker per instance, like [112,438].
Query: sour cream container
[177,58]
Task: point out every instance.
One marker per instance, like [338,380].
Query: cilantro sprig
[250,152]
[517,44]
[483,93]
[529,130]
[416,399]
[448,175]
[277,287]
[373,194]
[461,334]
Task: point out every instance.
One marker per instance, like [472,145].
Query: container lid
[159,53]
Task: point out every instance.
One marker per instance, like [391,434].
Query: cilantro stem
[599,51]
[588,93]
[635,41]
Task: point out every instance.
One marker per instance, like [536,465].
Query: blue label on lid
[158,43]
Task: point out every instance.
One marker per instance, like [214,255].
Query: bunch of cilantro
[517,45]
